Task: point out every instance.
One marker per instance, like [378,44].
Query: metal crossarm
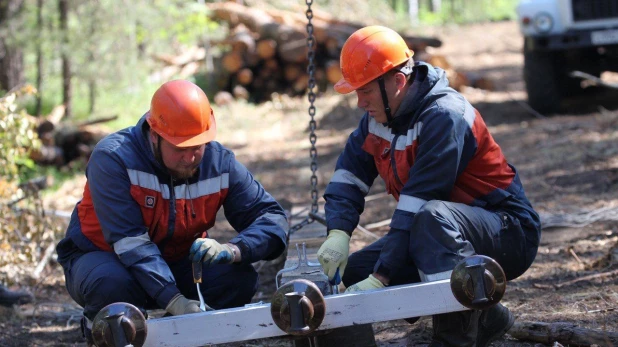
[255,321]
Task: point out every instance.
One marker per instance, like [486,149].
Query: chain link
[313,152]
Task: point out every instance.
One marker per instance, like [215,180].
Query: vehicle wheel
[542,78]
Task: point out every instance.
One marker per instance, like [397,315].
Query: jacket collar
[142,132]
[428,81]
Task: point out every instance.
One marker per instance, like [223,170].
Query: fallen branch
[379,224]
[322,220]
[602,275]
[564,333]
[603,310]
[51,310]
[367,232]
[580,219]
[376,196]
[572,252]
[527,107]
[97,121]
[591,80]
[49,251]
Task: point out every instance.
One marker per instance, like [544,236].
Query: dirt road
[568,163]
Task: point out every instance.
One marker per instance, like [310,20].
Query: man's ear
[153,136]
[400,80]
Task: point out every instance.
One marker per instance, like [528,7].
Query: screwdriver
[197,279]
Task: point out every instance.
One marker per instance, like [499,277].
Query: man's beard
[182,174]
[176,174]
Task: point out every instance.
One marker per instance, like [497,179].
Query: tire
[542,78]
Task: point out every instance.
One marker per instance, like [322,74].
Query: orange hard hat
[181,114]
[369,53]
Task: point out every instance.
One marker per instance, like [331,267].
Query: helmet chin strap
[158,154]
[387,108]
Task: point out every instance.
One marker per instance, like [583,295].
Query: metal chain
[313,152]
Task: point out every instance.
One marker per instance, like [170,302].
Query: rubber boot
[10,298]
[493,323]
[457,329]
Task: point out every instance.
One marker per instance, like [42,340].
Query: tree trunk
[413,12]
[92,82]
[11,56]
[39,58]
[63,8]
[436,6]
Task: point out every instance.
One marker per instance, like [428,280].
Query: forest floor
[568,164]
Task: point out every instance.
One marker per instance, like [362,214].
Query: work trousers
[442,234]
[97,279]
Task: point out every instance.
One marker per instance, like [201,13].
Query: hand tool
[197,279]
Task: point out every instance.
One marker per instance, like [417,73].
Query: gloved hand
[181,305]
[333,254]
[369,283]
[210,252]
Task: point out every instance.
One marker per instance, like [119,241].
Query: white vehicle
[561,36]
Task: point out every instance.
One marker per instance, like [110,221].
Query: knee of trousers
[114,287]
[238,289]
[357,269]
[432,223]
[435,238]
[248,287]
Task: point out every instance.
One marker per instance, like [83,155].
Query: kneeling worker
[153,191]
[457,195]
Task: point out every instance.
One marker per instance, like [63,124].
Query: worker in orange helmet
[456,194]
[152,193]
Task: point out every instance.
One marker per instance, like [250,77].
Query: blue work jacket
[133,207]
[436,148]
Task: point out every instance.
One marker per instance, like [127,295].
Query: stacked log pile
[64,142]
[266,51]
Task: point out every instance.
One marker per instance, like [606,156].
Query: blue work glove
[367,284]
[210,252]
[333,254]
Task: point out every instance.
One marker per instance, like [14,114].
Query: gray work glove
[181,305]
[211,252]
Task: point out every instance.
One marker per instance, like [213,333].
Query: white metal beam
[255,322]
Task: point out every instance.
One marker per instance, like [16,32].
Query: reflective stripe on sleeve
[129,243]
[410,203]
[346,177]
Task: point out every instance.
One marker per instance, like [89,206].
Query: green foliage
[17,137]
[467,11]
[22,235]
[110,44]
